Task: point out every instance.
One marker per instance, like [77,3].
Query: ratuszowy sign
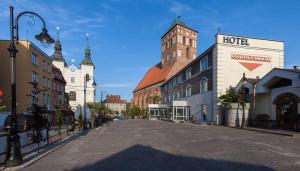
[235,40]
[250,65]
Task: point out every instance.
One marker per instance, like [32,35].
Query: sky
[124,35]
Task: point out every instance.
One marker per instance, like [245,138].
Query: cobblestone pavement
[156,145]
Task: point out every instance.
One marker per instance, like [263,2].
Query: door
[287,108]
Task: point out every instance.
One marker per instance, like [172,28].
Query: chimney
[295,67]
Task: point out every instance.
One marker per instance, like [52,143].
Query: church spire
[57,55]
[87,58]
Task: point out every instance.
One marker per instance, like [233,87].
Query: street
[158,145]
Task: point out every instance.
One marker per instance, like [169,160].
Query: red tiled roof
[154,75]
[114,99]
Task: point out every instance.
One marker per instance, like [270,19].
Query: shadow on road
[139,157]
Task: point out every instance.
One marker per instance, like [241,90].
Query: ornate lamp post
[87,78]
[14,156]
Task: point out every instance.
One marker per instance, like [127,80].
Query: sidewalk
[274,131]
[34,156]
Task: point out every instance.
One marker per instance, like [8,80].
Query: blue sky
[125,34]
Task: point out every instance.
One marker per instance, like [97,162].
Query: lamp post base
[14,156]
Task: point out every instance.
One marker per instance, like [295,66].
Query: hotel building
[192,93]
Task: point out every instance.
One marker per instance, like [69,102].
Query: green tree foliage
[229,97]
[80,120]
[2,107]
[135,112]
[59,120]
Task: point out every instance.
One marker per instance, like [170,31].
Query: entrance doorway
[287,111]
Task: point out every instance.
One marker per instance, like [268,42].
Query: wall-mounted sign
[251,58]
[235,40]
[251,65]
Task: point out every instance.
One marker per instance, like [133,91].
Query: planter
[234,115]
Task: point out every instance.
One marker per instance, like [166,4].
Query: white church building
[74,77]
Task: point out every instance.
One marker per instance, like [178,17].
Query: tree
[59,120]
[2,107]
[80,120]
[135,111]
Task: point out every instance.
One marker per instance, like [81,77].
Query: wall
[228,70]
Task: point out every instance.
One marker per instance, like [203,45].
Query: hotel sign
[235,40]
[252,60]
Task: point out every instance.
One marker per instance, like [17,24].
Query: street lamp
[14,157]
[87,78]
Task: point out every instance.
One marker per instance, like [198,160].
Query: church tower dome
[87,58]
[57,55]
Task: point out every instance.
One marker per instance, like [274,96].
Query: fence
[27,145]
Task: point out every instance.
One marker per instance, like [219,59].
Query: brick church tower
[179,47]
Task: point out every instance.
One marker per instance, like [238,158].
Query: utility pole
[84,102]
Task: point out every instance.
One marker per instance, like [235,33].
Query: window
[48,100]
[44,99]
[188,90]
[44,65]
[72,95]
[34,59]
[168,57]
[204,63]
[174,54]
[191,42]
[183,41]
[203,85]
[179,53]
[49,83]
[179,78]
[48,67]
[45,82]
[178,95]
[72,79]
[35,76]
[188,73]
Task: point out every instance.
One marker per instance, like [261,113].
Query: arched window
[191,42]
[183,40]
[72,95]
[203,85]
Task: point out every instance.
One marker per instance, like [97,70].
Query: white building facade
[74,77]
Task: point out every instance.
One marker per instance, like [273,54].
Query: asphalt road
[135,145]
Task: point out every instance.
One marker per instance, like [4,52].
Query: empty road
[144,145]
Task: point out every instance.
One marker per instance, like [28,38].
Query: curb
[263,131]
[30,162]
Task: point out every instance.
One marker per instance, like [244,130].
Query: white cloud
[179,8]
